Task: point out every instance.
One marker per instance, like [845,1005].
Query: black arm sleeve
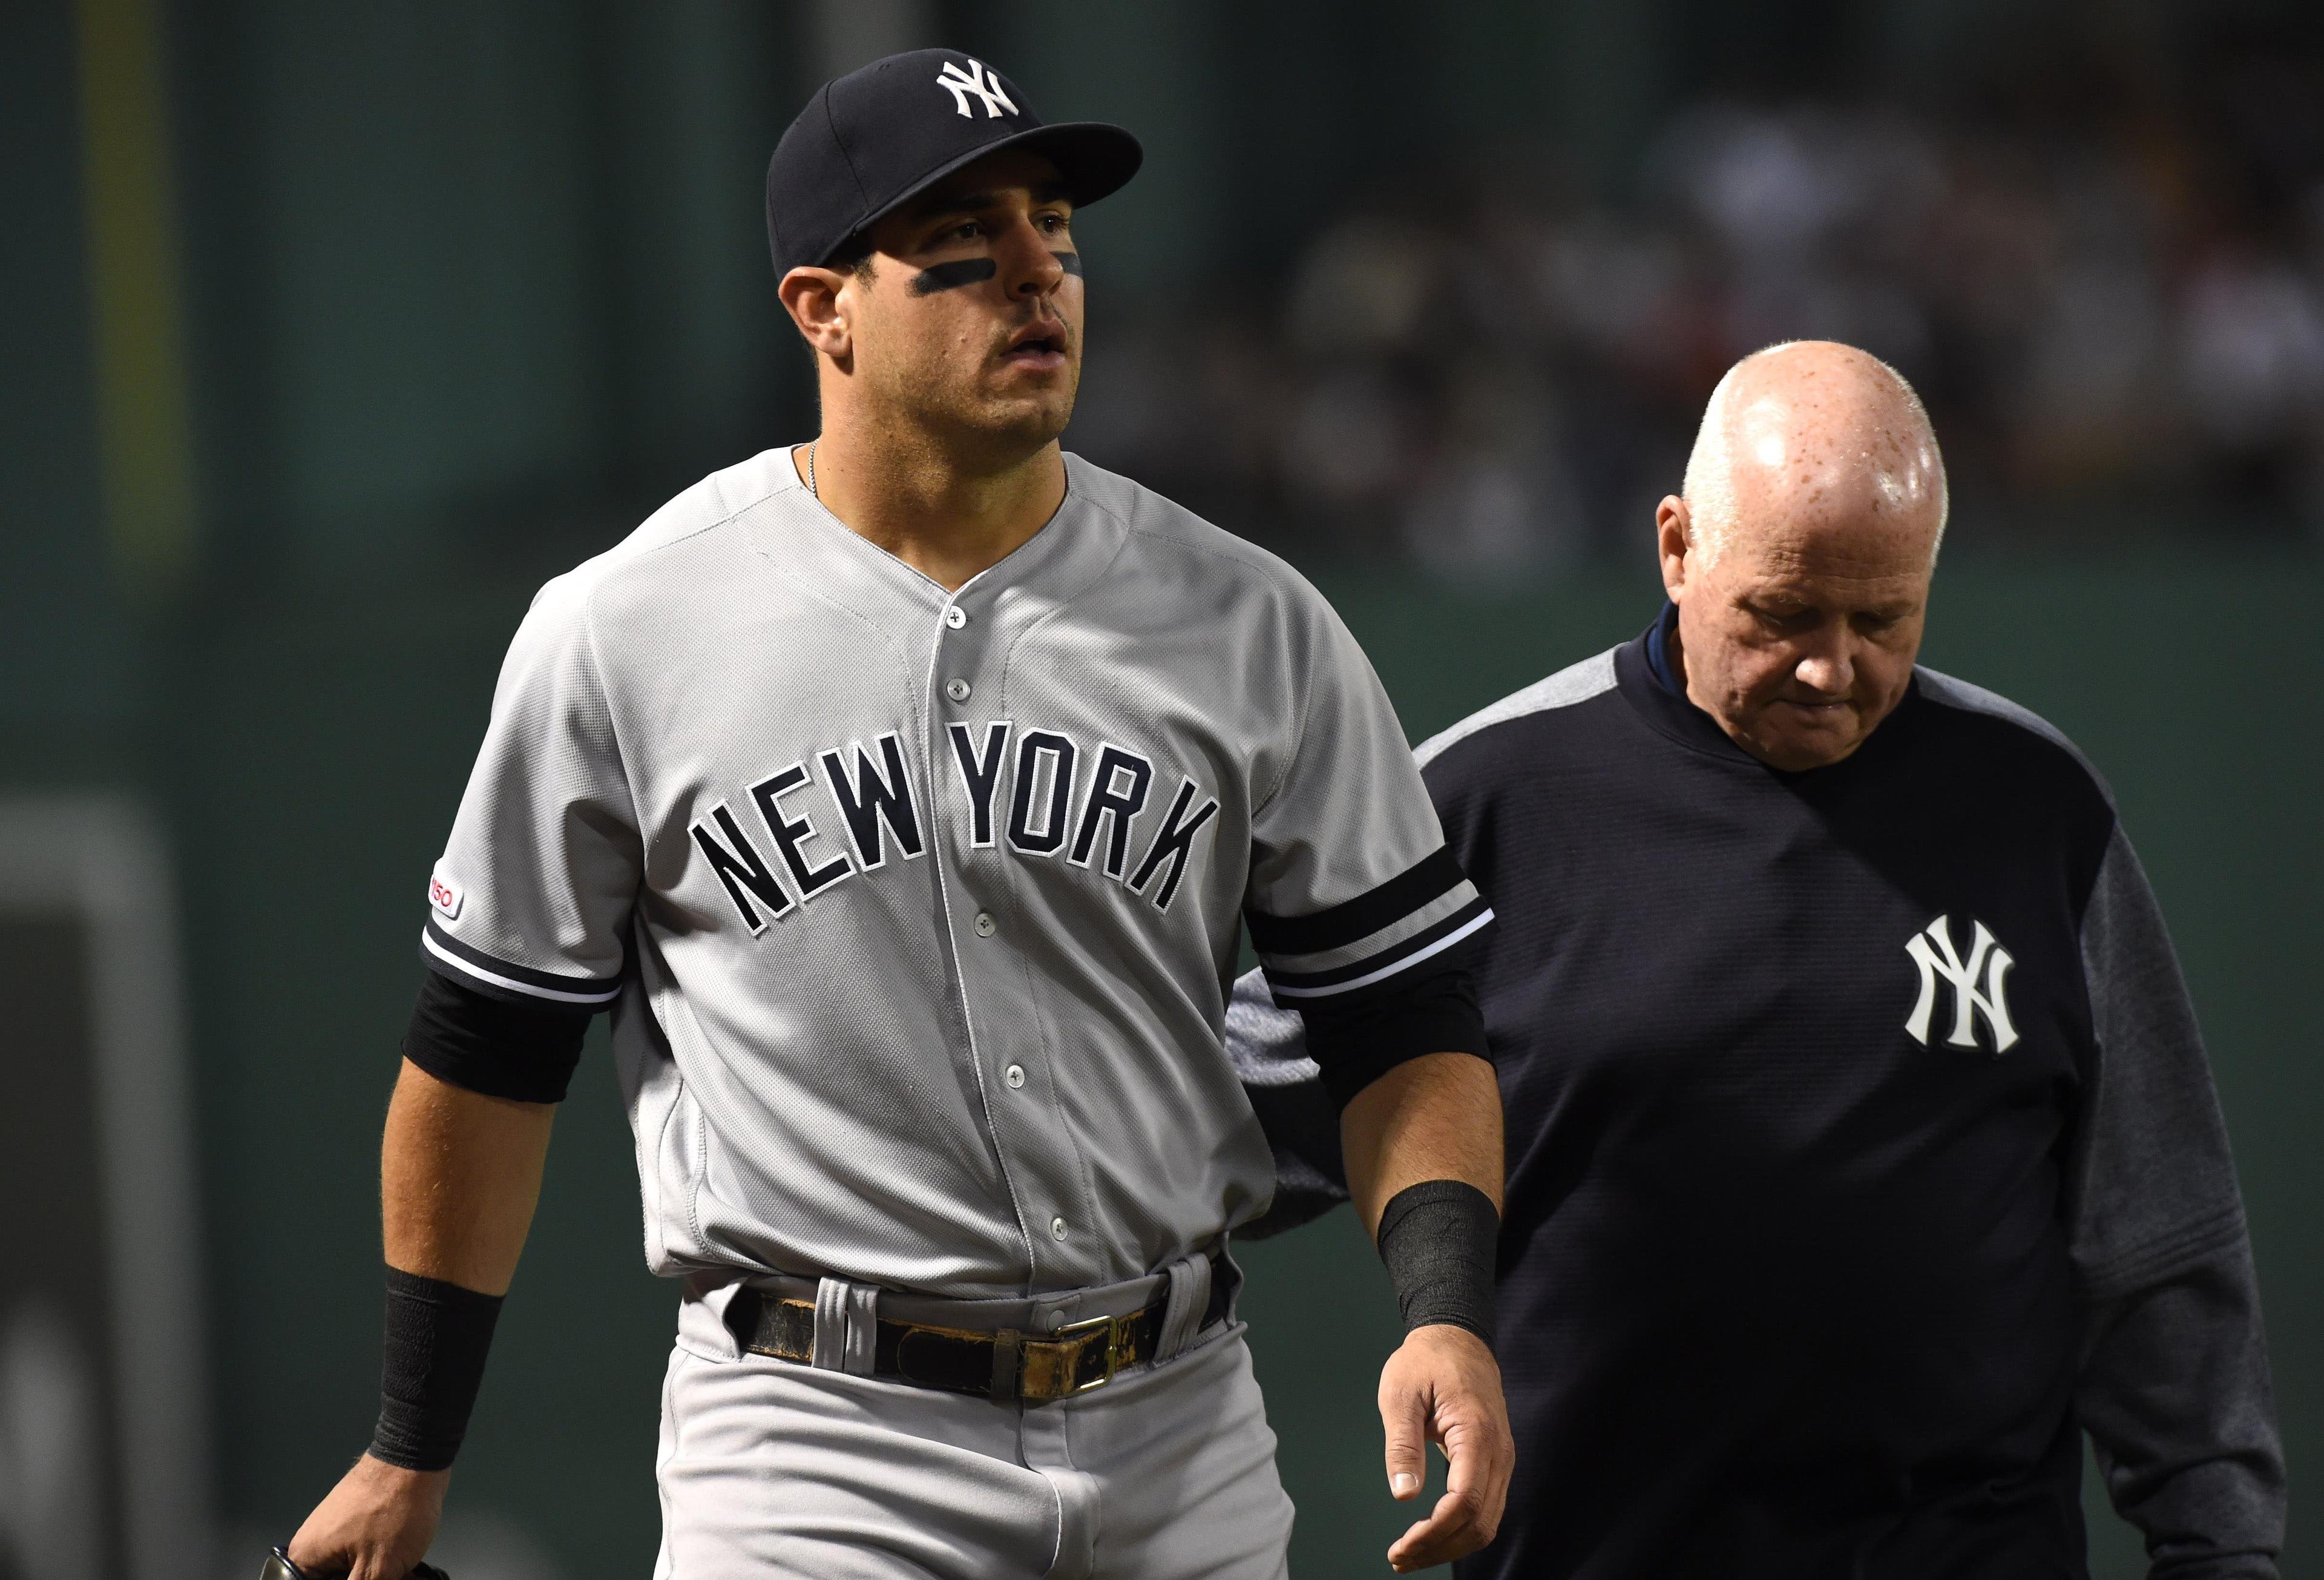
[1357,1039]
[525,1051]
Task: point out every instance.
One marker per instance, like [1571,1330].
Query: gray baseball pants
[768,1468]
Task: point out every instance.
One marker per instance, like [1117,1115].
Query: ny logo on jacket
[1931,949]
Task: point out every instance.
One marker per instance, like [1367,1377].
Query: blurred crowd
[2115,325]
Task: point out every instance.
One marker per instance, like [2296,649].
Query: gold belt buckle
[1051,1362]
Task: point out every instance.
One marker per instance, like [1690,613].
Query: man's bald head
[1800,553]
[1814,433]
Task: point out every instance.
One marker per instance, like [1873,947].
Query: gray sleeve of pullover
[2174,1387]
[1270,1048]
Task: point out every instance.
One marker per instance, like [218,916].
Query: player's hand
[375,1525]
[1443,1386]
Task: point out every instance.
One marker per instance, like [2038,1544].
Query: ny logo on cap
[986,86]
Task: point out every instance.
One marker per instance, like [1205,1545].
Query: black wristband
[1438,1238]
[431,1365]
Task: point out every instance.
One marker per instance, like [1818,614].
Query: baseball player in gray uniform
[902,794]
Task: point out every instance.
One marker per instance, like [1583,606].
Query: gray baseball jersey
[917,911]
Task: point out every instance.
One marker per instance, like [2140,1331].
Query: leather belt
[1006,1365]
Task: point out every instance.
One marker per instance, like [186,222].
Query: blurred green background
[330,332]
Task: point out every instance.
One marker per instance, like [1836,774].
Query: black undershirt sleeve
[1356,1038]
[526,1051]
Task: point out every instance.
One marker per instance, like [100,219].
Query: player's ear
[1672,528]
[813,299]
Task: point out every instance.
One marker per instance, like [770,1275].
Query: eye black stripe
[938,277]
[1071,263]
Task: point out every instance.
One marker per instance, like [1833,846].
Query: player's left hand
[1443,1386]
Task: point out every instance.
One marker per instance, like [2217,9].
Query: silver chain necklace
[811,489]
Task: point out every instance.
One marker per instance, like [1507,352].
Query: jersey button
[1056,1228]
[1014,1074]
[956,689]
[985,927]
[955,616]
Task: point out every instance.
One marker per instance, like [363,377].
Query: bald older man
[1862,1148]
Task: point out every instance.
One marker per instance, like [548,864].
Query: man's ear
[812,298]
[1672,528]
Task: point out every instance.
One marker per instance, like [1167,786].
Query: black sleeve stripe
[1357,919]
[1425,944]
[440,949]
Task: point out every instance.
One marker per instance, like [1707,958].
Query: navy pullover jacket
[1862,1152]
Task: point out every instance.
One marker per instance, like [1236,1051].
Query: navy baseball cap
[871,141]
